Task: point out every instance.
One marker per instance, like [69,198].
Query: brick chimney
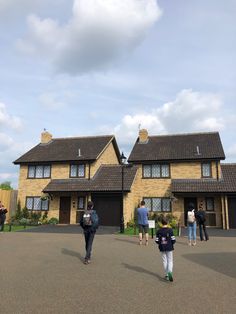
[143,136]
[46,137]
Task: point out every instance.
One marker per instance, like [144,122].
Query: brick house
[174,170]
[167,171]
[61,175]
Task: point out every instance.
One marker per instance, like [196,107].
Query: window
[156,171]
[77,171]
[80,203]
[159,204]
[35,203]
[39,171]
[206,170]
[210,204]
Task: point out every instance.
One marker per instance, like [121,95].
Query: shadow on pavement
[143,270]
[135,241]
[72,253]
[223,262]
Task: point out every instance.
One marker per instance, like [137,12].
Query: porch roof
[107,179]
[227,184]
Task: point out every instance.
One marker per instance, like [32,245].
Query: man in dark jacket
[89,223]
[201,219]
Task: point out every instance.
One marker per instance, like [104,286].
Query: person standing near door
[192,225]
[201,220]
[89,223]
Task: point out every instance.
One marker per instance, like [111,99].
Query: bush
[44,219]
[34,218]
[131,223]
[53,221]
[172,220]
[24,221]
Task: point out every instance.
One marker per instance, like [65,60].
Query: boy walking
[165,239]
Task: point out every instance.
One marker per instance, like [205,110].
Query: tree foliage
[6,185]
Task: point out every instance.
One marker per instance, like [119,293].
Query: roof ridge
[183,134]
[81,137]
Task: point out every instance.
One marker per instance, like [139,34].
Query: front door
[64,213]
[187,201]
[232,212]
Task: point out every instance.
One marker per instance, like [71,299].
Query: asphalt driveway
[42,271]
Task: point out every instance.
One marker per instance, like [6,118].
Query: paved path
[42,272]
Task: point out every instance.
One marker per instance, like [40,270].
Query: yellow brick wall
[190,170]
[108,157]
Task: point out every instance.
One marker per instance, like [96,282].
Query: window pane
[165,171]
[73,171]
[31,170]
[210,204]
[148,203]
[44,204]
[29,202]
[156,204]
[46,171]
[39,172]
[37,203]
[156,171]
[81,171]
[206,170]
[80,203]
[146,171]
[165,204]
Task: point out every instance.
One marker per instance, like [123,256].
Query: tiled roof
[194,146]
[108,178]
[227,184]
[67,149]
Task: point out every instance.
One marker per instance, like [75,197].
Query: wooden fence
[9,200]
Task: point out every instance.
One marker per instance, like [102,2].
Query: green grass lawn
[16,228]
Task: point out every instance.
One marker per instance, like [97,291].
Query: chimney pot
[143,136]
[46,137]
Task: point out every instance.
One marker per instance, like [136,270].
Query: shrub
[25,212]
[131,223]
[24,221]
[44,218]
[53,221]
[34,218]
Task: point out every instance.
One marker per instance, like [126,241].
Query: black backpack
[201,217]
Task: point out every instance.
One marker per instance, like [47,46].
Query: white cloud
[7,120]
[189,112]
[98,33]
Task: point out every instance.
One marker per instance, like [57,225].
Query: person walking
[89,223]
[192,225]
[165,239]
[142,212]
[201,220]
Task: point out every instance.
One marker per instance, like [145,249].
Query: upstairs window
[36,203]
[39,172]
[206,170]
[156,171]
[77,171]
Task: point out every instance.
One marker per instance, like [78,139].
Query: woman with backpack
[89,222]
[192,225]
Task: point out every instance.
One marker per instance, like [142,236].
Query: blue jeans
[192,231]
[89,236]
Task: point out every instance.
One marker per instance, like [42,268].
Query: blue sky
[89,67]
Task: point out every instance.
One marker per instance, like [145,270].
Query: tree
[6,185]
